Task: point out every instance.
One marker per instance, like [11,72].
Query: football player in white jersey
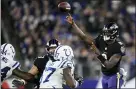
[59,69]
[40,63]
[9,66]
[7,62]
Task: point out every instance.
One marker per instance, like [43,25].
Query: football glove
[18,82]
[124,73]
[79,79]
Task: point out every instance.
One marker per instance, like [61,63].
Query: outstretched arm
[87,39]
[27,76]
[24,75]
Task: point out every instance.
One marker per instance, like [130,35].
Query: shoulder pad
[41,57]
[67,64]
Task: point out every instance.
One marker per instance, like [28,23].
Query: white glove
[18,82]
[124,73]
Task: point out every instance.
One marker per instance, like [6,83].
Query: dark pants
[111,82]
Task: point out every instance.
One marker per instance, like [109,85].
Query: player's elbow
[107,66]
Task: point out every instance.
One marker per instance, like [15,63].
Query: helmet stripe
[57,49]
[4,48]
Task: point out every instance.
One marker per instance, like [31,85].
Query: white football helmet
[8,50]
[63,52]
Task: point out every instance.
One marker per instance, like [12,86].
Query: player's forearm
[111,62]
[24,75]
[69,80]
[78,31]
[82,35]
[87,39]
[107,64]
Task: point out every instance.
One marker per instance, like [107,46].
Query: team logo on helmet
[110,31]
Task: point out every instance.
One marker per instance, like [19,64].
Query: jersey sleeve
[121,49]
[15,64]
[37,63]
[67,64]
[40,62]
[96,41]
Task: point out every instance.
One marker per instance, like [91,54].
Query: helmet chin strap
[50,55]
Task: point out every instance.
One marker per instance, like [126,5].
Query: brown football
[64,6]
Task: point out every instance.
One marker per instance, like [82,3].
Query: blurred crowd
[37,21]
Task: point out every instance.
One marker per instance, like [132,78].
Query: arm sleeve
[15,64]
[67,64]
[96,41]
[40,62]
[119,49]
[37,62]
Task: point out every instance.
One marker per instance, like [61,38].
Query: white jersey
[7,62]
[7,66]
[53,74]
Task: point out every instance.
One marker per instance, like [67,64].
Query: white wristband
[77,84]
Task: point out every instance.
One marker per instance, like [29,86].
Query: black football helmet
[110,32]
[53,43]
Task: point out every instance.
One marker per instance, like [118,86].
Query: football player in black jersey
[109,52]
[39,66]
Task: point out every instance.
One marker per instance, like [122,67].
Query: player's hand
[79,80]
[69,19]
[18,82]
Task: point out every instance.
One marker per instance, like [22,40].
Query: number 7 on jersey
[51,71]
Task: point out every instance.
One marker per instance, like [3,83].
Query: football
[64,7]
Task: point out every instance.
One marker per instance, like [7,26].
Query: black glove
[18,82]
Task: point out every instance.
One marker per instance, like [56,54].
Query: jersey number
[52,70]
[4,72]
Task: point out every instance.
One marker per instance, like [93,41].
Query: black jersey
[116,48]
[40,63]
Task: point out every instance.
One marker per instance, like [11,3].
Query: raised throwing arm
[87,39]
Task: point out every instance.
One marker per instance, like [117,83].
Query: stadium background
[29,24]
